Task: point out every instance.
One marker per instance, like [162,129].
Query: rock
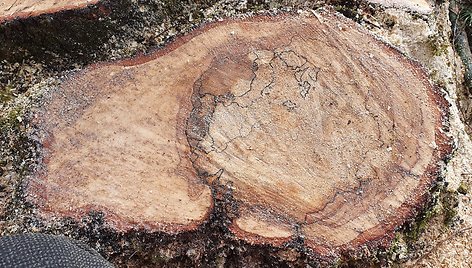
[420,6]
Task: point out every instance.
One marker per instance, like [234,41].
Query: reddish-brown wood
[11,9]
[319,130]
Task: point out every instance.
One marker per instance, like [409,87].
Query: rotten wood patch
[318,130]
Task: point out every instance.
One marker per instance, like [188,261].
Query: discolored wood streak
[320,131]
[11,9]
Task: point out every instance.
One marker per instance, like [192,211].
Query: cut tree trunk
[320,132]
[12,9]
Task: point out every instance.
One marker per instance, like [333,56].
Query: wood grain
[319,130]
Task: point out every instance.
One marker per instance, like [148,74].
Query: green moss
[159,259]
[398,249]
[14,141]
[450,203]
[11,119]
[443,207]
[6,94]
[416,228]
[463,188]
[437,45]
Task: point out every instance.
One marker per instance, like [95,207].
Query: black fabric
[41,250]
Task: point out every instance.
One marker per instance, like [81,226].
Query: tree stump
[320,131]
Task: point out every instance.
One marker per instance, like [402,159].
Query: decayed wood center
[318,129]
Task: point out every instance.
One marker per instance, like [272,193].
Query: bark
[461,43]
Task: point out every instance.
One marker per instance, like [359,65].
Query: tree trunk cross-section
[319,130]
